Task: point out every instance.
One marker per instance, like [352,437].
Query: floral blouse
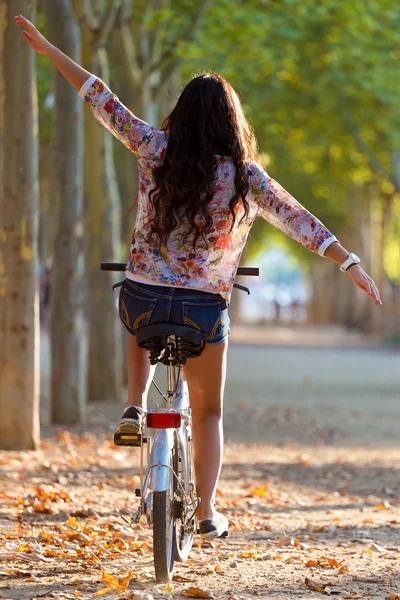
[209,269]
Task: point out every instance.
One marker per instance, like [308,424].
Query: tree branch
[187,37]
[107,22]
[396,168]
[126,10]
[160,91]
[130,52]
[156,38]
[374,161]
[90,17]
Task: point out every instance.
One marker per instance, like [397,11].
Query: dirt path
[310,484]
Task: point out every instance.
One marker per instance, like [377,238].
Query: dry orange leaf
[103,591]
[326,563]
[333,562]
[178,577]
[249,554]
[288,541]
[113,583]
[384,506]
[261,491]
[195,592]
[312,563]
[393,597]
[73,522]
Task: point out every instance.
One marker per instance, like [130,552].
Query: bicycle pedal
[128,439]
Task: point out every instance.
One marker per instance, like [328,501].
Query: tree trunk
[19,298]
[68,348]
[102,243]
[381,226]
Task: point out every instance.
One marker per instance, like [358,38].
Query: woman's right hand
[34,38]
[364,281]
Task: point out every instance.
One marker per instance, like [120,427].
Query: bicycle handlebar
[106,266]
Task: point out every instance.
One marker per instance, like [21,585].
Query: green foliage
[320,85]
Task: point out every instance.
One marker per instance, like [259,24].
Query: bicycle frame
[163,442]
[160,444]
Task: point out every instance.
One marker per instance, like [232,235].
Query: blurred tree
[68,375]
[148,78]
[44,81]
[102,212]
[19,299]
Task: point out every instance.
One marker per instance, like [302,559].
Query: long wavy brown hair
[208,120]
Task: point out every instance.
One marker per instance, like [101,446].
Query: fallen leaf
[378,548]
[195,592]
[287,541]
[261,491]
[113,583]
[312,563]
[178,577]
[332,562]
[103,591]
[73,522]
[383,506]
[32,557]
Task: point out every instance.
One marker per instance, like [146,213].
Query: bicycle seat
[189,342]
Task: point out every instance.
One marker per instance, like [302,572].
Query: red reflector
[167,420]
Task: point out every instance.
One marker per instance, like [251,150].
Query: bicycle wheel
[184,525]
[164,531]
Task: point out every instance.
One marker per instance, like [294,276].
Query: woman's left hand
[34,38]
[364,281]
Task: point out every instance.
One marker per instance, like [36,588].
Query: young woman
[200,191]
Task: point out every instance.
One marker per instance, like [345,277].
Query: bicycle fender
[160,459]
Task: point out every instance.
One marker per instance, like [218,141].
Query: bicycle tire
[182,554]
[163,547]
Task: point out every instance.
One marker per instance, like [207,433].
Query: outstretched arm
[141,138]
[74,73]
[279,208]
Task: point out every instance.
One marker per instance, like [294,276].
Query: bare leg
[206,381]
[140,374]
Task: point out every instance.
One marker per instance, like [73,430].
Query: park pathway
[310,484]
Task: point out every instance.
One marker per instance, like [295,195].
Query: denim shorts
[141,304]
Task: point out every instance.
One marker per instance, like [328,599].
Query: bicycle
[167,489]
